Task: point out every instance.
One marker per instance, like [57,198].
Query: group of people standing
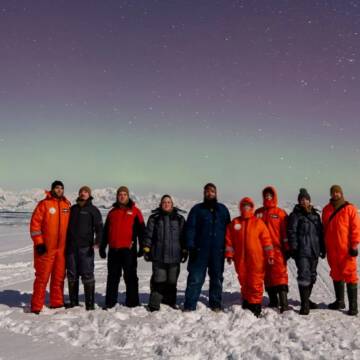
[258,242]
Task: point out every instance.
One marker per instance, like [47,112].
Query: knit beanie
[57,183]
[210,185]
[86,189]
[304,194]
[336,188]
[123,189]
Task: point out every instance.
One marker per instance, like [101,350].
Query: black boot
[245,304]
[304,297]
[312,305]
[352,296]
[89,289]
[339,303]
[283,299]
[273,297]
[169,297]
[156,295]
[73,294]
[255,309]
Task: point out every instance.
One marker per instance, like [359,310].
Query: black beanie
[210,185]
[304,194]
[57,183]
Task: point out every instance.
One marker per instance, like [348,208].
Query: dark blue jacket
[305,233]
[205,229]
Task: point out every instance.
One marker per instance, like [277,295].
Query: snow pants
[306,268]
[80,263]
[163,284]
[122,261]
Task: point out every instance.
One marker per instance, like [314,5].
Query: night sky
[166,95]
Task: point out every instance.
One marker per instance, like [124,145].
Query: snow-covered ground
[123,333]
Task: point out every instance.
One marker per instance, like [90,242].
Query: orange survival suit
[48,226]
[342,232]
[248,243]
[276,221]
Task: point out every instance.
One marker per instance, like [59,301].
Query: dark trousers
[80,263]
[214,264]
[163,284]
[306,267]
[119,261]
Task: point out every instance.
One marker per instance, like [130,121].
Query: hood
[274,201]
[247,200]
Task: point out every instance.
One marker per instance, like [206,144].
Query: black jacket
[165,236]
[305,233]
[85,226]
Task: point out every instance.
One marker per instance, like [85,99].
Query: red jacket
[124,224]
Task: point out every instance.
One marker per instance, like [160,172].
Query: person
[276,275]
[164,245]
[342,236]
[84,233]
[124,228]
[306,245]
[48,229]
[249,246]
[205,241]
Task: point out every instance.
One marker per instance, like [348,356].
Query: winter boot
[304,297]
[339,303]
[73,294]
[169,295]
[283,299]
[352,296]
[273,297]
[245,304]
[89,289]
[156,295]
[312,305]
[255,309]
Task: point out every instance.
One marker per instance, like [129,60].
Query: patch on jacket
[259,215]
[65,210]
[237,227]
[52,211]
[129,212]
[84,213]
[274,216]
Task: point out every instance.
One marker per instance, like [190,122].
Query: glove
[147,254]
[229,260]
[102,253]
[270,261]
[353,252]
[291,253]
[193,254]
[40,249]
[184,256]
